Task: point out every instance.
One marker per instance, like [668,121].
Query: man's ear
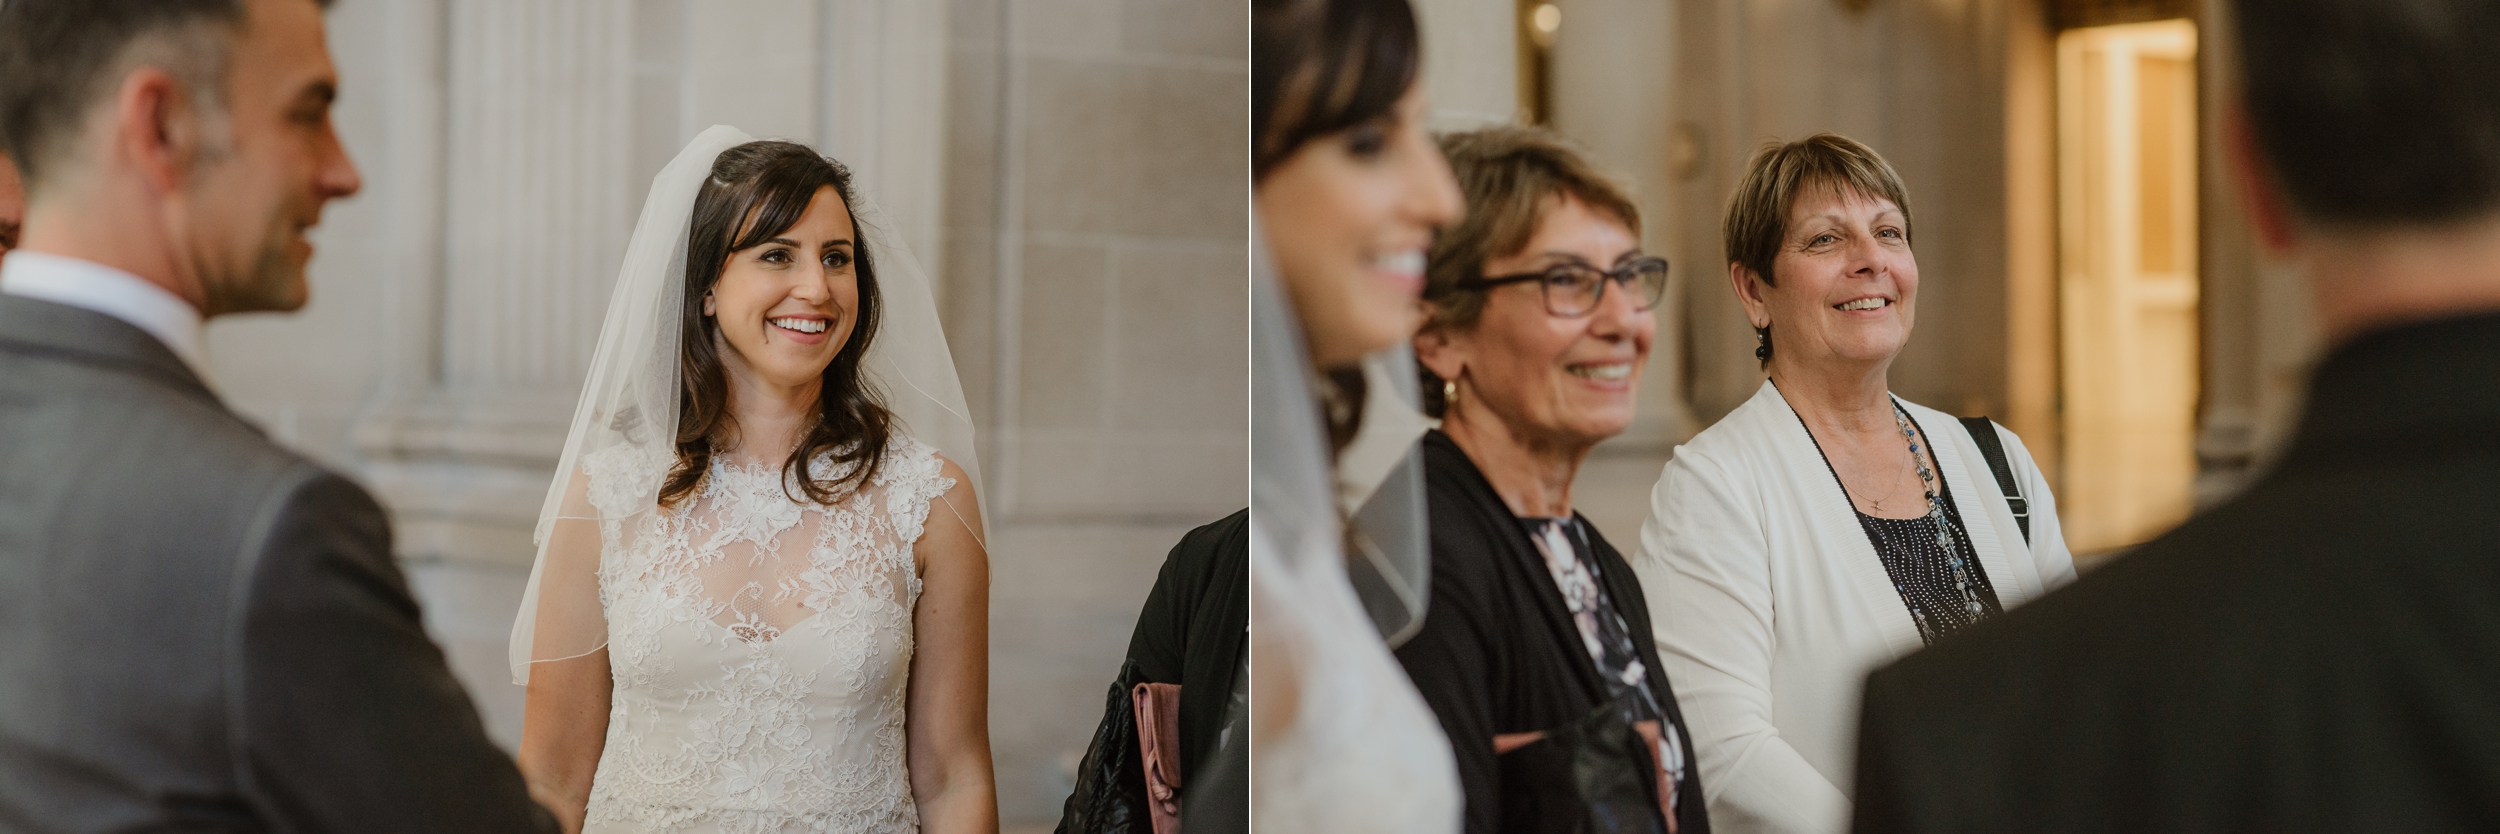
[2269,214]
[156,128]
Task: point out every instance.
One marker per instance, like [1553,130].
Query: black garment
[1914,561]
[1498,651]
[1193,631]
[1917,566]
[2321,653]
[200,630]
[1217,800]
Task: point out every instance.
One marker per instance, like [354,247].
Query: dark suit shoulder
[150,436]
[348,717]
[134,512]
[2306,639]
[2316,561]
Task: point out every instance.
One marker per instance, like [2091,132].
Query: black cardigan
[1193,629]
[1498,651]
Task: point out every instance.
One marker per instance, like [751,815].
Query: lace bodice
[761,649]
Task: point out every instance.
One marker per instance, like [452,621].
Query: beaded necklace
[1962,581]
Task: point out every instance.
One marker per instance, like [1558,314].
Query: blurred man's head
[12,206]
[187,141]
[2366,124]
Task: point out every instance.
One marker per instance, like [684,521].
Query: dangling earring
[1762,343]
[1449,393]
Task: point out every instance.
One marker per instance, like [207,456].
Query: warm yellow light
[1547,18]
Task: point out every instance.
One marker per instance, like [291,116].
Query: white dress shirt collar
[88,285]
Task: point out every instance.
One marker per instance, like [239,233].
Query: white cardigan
[1770,606]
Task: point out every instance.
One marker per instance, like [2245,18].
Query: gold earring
[1449,392]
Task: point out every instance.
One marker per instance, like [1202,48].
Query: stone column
[538,188]
[538,203]
[1471,61]
[1614,92]
[883,97]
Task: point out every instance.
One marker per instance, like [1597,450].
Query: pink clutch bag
[1159,742]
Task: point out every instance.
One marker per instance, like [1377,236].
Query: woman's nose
[814,289]
[1866,257]
[1432,190]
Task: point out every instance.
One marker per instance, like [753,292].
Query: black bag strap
[1985,434]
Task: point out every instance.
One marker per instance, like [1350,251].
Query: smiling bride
[760,601]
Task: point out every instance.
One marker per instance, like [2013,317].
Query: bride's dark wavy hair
[756,192]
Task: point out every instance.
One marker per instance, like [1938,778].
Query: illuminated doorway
[2127,280]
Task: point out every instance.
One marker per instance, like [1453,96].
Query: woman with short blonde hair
[1826,526]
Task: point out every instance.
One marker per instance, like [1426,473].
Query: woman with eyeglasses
[1826,526]
[1535,652]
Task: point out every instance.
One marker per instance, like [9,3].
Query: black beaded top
[1916,566]
[1917,569]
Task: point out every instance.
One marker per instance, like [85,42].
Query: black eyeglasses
[1575,289]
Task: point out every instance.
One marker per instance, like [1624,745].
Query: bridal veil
[1361,752]
[628,410]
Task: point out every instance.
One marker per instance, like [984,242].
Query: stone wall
[1095,228]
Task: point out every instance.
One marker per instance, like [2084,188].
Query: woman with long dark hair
[761,595]
[1348,190]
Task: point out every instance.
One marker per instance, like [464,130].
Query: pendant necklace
[1962,582]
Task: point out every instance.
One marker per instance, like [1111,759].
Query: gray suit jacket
[200,630]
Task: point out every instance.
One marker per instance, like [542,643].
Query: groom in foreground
[2322,652]
[199,630]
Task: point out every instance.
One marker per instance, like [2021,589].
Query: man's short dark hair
[59,57]
[2376,113]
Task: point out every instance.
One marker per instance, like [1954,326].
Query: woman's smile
[1402,269]
[804,329]
[1611,375]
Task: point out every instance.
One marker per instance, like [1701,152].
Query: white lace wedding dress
[762,649]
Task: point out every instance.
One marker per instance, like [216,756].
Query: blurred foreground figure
[2321,653]
[202,631]
[1347,188]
